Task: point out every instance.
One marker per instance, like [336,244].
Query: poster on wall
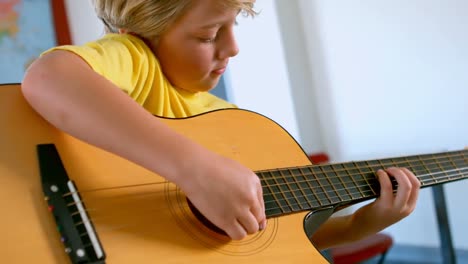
[28,28]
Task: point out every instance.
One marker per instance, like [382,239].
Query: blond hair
[150,18]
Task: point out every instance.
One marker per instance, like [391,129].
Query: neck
[289,190]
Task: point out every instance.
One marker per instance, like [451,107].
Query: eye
[207,40]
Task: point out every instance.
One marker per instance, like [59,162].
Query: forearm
[84,104]
[339,230]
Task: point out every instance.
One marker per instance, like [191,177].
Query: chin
[203,85]
[208,86]
[207,89]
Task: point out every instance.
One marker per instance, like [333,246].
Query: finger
[258,213]
[416,186]
[404,187]
[386,190]
[236,231]
[249,222]
[261,216]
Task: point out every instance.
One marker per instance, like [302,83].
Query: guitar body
[138,216]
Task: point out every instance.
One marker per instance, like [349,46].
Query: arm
[62,88]
[386,210]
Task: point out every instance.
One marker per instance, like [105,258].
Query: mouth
[219,71]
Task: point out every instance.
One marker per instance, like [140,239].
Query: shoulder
[110,45]
[121,39]
[122,43]
[113,52]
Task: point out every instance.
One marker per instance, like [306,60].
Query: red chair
[362,250]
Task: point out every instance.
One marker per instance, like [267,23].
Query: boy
[165,56]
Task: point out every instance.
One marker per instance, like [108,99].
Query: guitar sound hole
[204,220]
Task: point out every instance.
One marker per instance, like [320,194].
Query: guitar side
[149,220]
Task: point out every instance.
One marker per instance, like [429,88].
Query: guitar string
[383,163]
[366,193]
[422,177]
[345,170]
[316,189]
[451,173]
[317,179]
[145,213]
[406,162]
[325,169]
[313,190]
[372,167]
[267,210]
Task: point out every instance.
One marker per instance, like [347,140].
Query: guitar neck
[297,189]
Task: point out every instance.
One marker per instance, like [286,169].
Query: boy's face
[195,50]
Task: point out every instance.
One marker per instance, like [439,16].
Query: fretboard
[295,189]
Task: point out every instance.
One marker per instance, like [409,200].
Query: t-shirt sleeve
[124,60]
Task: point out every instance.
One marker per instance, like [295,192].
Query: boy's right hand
[227,194]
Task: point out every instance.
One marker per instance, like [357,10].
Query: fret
[330,174]
[370,172]
[343,193]
[382,166]
[450,163]
[447,165]
[465,152]
[297,179]
[442,170]
[270,192]
[416,165]
[374,165]
[301,181]
[305,186]
[350,185]
[458,162]
[433,168]
[353,177]
[385,163]
[426,171]
[309,189]
[363,167]
[285,191]
[293,189]
[326,185]
[401,162]
[320,192]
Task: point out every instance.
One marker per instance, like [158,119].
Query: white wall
[258,76]
[83,23]
[390,78]
[300,77]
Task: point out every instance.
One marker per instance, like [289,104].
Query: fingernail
[262,226]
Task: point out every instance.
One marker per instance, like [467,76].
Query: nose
[228,47]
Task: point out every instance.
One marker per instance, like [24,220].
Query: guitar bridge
[77,232]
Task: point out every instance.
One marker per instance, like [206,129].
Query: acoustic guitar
[64,201]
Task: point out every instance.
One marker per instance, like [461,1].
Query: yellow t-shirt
[129,63]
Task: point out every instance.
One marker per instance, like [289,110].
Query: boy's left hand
[390,207]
